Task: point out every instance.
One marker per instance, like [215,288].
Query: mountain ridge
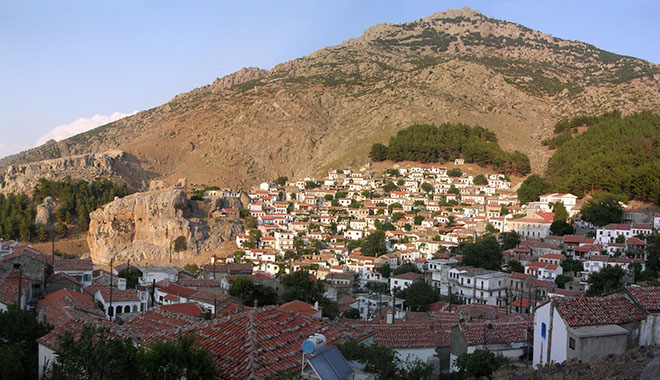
[326,109]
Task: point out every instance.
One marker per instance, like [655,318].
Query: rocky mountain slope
[326,109]
[113,164]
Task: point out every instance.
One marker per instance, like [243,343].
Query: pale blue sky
[65,60]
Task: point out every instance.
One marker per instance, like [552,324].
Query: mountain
[326,109]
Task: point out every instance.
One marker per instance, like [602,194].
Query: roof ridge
[252,345]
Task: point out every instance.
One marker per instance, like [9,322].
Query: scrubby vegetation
[428,143]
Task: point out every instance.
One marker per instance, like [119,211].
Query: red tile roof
[513,329]
[176,290]
[198,283]
[410,335]
[158,324]
[265,342]
[9,285]
[648,298]
[593,311]
[63,275]
[117,294]
[412,276]
[65,305]
[72,264]
[299,307]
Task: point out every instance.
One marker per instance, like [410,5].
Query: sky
[68,66]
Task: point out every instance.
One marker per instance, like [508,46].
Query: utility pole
[110,307]
[214,267]
[20,283]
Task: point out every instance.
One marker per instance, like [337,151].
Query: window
[571,343]
[543,329]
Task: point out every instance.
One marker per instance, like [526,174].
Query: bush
[180,244]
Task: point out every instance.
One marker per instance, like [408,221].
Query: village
[388,248]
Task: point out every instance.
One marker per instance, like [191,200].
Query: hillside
[327,109]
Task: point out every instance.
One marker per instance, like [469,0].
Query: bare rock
[142,227]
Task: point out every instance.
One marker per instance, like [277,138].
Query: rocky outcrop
[112,164]
[45,212]
[143,228]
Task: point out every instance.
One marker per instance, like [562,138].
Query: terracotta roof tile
[648,298]
[594,311]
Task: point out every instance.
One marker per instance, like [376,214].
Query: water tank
[314,343]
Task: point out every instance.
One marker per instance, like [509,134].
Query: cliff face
[143,228]
[114,164]
[326,109]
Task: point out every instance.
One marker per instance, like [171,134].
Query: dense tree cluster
[19,331]
[300,286]
[428,143]
[78,197]
[384,362]
[250,292]
[602,209]
[94,355]
[616,154]
[16,217]
[485,253]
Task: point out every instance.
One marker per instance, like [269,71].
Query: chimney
[390,317]
[316,305]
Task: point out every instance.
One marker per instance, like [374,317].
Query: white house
[117,301]
[80,269]
[584,328]
[403,281]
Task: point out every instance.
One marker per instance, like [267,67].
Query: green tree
[93,355]
[132,276]
[485,253]
[509,240]
[299,286]
[419,296]
[561,281]
[455,172]
[182,359]
[572,265]
[250,292]
[281,181]
[606,280]
[42,233]
[479,364]
[405,268]
[351,314]
[417,220]
[384,362]
[427,187]
[602,209]
[490,229]
[192,268]
[561,215]
[374,244]
[480,179]
[516,266]
[531,188]
[385,270]
[653,252]
[19,331]
[61,230]
[180,244]
[561,228]
[378,152]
